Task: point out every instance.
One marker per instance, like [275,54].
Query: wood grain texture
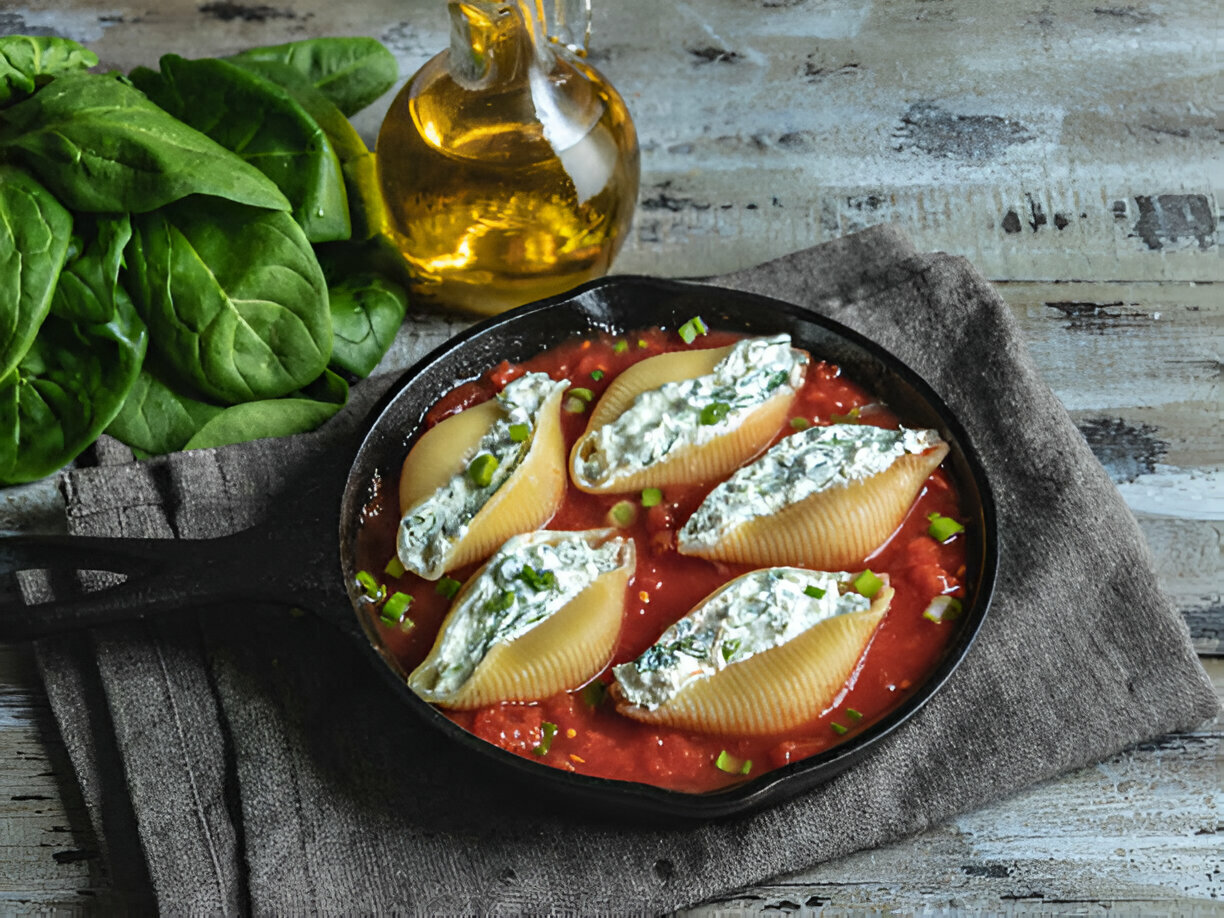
[1069,150]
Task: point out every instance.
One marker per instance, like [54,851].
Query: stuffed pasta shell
[825,498]
[768,651]
[541,616]
[480,476]
[688,415]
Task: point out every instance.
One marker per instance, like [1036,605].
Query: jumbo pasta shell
[686,463]
[563,652]
[778,689]
[526,501]
[831,529]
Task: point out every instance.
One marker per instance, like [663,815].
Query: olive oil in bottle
[509,166]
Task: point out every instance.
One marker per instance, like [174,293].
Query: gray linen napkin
[257,764]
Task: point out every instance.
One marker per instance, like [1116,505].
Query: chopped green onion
[651,497]
[537,580]
[943,609]
[731,764]
[839,729]
[501,602]
[729,649]
[714,412]
[800,423]
[395,567]
[853,714]
[867,584]
[943,528]
[620,347]
[395,608]
[547,732]
[519,432]
[597,375]
[777,379]
[642,345]
[373,590]
[622,514]
[814,591]
[480,470]
[585,394]
[574,405]
[849,417]
[691,329]
[593,693]
[448,587]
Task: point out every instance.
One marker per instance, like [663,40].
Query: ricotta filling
[692,412]
[798,466]
[430,530]
[527,581]
[750,615]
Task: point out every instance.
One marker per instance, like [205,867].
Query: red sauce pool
[591,738]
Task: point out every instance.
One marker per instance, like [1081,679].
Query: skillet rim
[626,799]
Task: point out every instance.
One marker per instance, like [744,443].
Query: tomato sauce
[590,737]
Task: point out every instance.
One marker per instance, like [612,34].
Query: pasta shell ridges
[775,690]
[833,529]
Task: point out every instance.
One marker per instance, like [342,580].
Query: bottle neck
[496,42]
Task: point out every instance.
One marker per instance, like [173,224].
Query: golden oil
[510,171]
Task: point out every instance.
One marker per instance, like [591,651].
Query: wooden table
[1069,150]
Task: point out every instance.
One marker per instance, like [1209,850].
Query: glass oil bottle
[508,164]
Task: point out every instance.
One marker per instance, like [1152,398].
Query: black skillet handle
[275,564]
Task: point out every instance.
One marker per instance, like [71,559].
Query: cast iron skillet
[294,556]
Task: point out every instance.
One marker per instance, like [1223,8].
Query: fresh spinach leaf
[100,146]
[233,296]
[367,209]
[263,123]
[156,418]
[280,417]
[367,310]
[76,375]
[27,60]
[34,233]
[351,72]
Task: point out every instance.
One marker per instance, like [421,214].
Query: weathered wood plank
[1140,833]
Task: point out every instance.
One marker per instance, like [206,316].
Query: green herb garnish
[691,329]
[943,609]
[370,588]
[579,392]
[448,587]
[395,609]
[622,513]
[651,497]
[537,580]
[480,470]
[850,417]
[574,405]
[732,765]
[714,412]
[642,345]
[620,347]
[547,732]
[800,423]
[853,714]
[839,729]
[867,584]
[597,375]
[395,567]
[501,602]
[942,527]
[729,649]
[814,591]
[519,432]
